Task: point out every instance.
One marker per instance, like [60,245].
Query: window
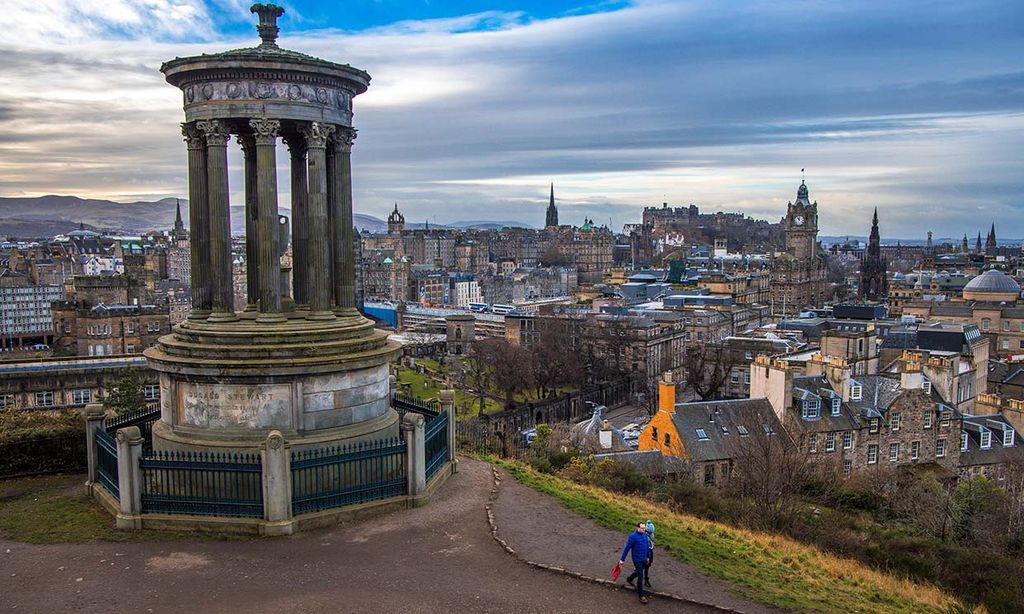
[847,440]
[856,390]
[1009,435]
[915,450]
[985,324]
[894,452]
[894,422]
[963,441]
[748,356]
[1006,344]
[44,399]
[746,374]
[847,468]
[927,386]
[872,453]
[873,425]
[151,392]
[940,448]
[1006,325]
[944,418]
[129,327]
[812,443]
[6,400]
[668,439]
[830,442]
[986,439]
[725,430]
[811,409]
[836,404]
[709,475]
[927,421]
[768,430]
[80,396]
[702,435]
[742,430]
[734,377]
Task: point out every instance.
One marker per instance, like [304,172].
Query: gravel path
[438,558]
[539,529]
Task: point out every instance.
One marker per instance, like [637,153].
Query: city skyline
[622,105]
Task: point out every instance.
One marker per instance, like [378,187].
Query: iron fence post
[94,414]
[448,406]
[416,466]
[129,477]
[275,454]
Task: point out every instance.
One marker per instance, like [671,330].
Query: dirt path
[438,558]
[539,529]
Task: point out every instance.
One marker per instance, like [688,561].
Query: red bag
[616,571]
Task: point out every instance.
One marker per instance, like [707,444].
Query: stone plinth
[226,386]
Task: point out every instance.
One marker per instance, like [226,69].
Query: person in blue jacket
[640,547]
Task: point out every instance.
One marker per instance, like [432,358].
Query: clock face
[798,220]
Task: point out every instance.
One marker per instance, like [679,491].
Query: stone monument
[310,365]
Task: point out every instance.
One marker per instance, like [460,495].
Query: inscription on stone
[226,406]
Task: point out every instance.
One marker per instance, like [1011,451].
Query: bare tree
[476,368]
[552,358]
[706,369]
[769,470]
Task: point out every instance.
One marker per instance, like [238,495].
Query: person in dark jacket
[640,548]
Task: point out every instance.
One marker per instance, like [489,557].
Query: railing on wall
[201,483]
[404,403]
[435,443]
[326,478]
[144,418]
[106,462]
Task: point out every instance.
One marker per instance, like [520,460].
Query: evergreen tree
[127,394]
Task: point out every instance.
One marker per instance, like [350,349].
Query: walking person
[639,547]
[650,557]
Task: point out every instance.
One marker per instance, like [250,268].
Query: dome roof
[993,281]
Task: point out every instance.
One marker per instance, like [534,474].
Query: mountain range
[46,216]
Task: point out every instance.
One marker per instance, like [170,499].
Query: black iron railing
[326,478]
[203,484]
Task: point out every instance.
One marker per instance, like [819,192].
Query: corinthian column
[220,220]
[341,220]
[321,291]
[252,280]
[198,215]
[265,131]
[300,224]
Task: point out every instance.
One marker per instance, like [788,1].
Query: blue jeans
[639,573]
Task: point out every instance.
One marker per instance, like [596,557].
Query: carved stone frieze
[242,89]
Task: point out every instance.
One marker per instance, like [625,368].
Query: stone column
[252,280]
[300,224]
[412,428]
[275,454]
[265,131]
[129,477]
[448,406]
[321,290]
[222,308]
[198,222]
[341,220]
[94,416]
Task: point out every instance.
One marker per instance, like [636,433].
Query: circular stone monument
[309,365]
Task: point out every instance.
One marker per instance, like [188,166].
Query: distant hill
[46,216]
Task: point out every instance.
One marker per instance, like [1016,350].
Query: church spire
[551,219]
[977,245]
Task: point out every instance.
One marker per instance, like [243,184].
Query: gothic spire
[551,218]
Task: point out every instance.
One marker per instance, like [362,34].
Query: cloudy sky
[914,107]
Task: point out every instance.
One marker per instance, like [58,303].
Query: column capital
[193,136]
[265,130]
[342,139]
[316,134]
[215,131]
[247,142]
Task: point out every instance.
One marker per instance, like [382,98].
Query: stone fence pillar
[448,406]
[129,477]
[276,456]
[415,453]
[94,415]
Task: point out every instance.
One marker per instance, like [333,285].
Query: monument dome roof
[993,280]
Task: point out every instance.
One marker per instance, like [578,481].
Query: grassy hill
[773,570]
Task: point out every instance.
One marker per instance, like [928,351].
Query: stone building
[798,274]
[106,330]
[50,384]
[589,248]
[26,318]
[460,333]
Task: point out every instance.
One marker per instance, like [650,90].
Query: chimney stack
[667,394]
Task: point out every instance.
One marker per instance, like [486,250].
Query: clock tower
[801,227]
[798,274]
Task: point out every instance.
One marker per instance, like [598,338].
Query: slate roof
[816,386]
[721,422]
[648,462]
[974,455]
